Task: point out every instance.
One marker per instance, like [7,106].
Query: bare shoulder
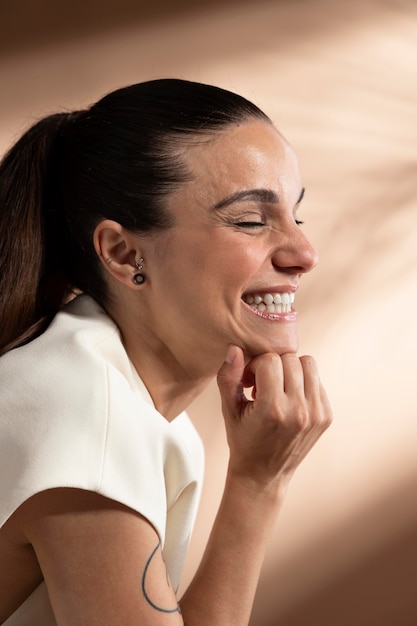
[102,562]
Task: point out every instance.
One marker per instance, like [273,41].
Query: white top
[74,413]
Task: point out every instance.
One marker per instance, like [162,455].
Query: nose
[294,252]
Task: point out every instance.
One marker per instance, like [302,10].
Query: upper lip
[272,290]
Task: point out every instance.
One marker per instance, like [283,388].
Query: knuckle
[302,419]
[290,357]
[299,420]
[224,380]
[328,419]
[308,361]
[322,419]
[221,379]
[270,358]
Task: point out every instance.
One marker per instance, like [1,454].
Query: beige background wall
[340,81]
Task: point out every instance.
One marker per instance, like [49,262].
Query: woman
[170,208]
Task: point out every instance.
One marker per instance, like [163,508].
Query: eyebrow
[253,195]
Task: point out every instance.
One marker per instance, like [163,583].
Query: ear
[118,250]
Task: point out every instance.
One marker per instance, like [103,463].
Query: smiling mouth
[270,302]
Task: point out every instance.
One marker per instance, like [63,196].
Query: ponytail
[30,290]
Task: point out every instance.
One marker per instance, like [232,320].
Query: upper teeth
[271,302]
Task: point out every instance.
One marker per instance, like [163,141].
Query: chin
[281,345]
[285,348]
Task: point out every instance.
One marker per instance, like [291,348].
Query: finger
[248,379]
[229,379]
[301,374]
[319,405]
[328,413]
[293,375]
[311,377]
[320,412]
[268,380]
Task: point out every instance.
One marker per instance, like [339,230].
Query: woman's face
[229,269]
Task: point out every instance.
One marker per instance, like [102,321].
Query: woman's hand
[269,435]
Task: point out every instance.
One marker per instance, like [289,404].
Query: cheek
[245,262]
[235,272]
[220,260]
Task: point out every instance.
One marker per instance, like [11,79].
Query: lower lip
[291,316]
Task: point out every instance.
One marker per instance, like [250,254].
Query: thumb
[229,379]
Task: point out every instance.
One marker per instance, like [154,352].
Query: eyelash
[249,224]
[257,224]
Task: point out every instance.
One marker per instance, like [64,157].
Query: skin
[101,561]
[189,299]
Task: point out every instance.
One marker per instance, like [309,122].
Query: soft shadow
[376,588]
[28,25]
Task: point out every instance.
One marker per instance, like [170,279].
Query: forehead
[249,155]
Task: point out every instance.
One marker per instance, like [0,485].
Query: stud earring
[139,278]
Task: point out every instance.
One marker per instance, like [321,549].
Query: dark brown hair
[115,160]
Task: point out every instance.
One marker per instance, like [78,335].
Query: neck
[170,385]
[171,395]
[174,371]
[173,379]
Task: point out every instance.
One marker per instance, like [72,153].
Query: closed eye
[249,224]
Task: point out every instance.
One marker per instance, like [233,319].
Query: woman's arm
[268,437]
[101,561]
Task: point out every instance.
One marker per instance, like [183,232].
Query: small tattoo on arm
[147,597]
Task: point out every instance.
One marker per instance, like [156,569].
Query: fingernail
[230,355]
